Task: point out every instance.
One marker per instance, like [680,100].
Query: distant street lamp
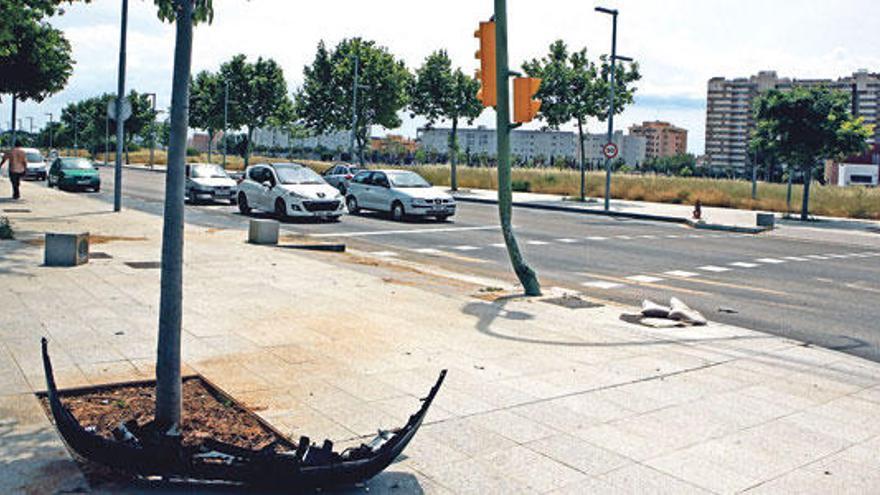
[120,96]
[50,130]
[152,128]
[614,58]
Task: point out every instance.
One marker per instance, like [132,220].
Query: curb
[621,214]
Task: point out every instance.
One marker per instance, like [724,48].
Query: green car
[74,173]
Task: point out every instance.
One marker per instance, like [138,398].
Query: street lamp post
[50,130]
[120,94]
[152,128]
[106,139]
[614,58]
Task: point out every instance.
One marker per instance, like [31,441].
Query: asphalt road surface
[824,293]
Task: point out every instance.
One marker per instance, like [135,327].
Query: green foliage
[324,102]
[190,151]
[683,164]
[206,99]
[35,58]
[203,10]
[260,96]
[437,92]
[520,186]
[86,120]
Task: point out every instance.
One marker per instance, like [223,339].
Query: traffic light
[525,108]
[486,73]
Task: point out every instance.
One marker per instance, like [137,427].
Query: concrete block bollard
[66,249]
[766,220]
[262,231]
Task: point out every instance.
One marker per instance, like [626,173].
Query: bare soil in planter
[207,413]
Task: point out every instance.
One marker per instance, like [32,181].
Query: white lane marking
[694,236]
[742,264]
[597,238]
[770,261]
[859,255]
[837,255]
[410,231]
[673,236]
[816,257]
[647,236]
[624,237]
[499,245]
[681,274]
[465,248]
[647,279]
[713,268]
[600,284]
[384,254]
[566,241]
[427,251]
[795,258]
[537,243]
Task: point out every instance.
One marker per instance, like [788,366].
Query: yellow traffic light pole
[493,54]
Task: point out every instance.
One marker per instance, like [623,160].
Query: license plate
[83,181]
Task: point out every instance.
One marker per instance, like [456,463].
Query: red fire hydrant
[698,210]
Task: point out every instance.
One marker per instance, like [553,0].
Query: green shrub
[6,229]
[192,152]
[520,185]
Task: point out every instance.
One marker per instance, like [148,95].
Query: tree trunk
[805,205]
[583,196]
[127,146]
[247,148]
[168,385]
[453,158]
[788,190]
[14,129]
[526,275]
[210,140]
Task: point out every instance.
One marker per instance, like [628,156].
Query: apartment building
[277,138]
[661,138]
[482,140]
[729,118]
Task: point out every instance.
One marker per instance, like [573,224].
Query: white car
[289,190]
[400,193]
[208,182]
[36,164]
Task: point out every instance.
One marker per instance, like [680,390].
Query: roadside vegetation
[6,232]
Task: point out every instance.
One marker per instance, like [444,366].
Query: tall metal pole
[32,124]
[152,129]
[120,129]
[755,175]
[354,103]
[225,120]
[526,275]
[106,139]
[50,130]
[611,108]
[75,131]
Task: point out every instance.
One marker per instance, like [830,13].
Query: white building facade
[631,149]
[524,145]
[338,141]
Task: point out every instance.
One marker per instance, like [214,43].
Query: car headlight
[419,202]
[291,194]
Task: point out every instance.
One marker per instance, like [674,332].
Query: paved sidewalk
[539,398]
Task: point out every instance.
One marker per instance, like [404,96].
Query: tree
[168,382]
[324,102]
[206,104]
[437,92]
[35,59]
[141,120]
[806,125]
[260,95]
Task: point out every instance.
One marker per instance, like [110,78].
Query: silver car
[340,175]
[36,165]
[208,182]
[399,193]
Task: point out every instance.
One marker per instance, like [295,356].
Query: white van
[36,164]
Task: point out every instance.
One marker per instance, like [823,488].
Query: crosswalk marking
[647,236]
[537,243]
[465,248]
[427,251]
[715,269]
[681,274]
[566,241]
[597,238]
[499,245]
[624,237]
[742,264]
[770,261]
[600,284]
[647,279]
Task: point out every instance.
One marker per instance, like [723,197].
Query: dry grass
[852,202]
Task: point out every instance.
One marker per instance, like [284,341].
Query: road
[819,292]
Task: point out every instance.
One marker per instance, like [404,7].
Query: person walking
[17,167]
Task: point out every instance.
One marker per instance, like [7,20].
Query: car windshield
[295,174]
[76,163]
[34,157]
[208,172]
[407,179]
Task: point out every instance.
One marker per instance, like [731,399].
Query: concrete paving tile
[513,426]
[708,474]
[578,454]
[640,479]
[621,441]
[474,476]
[426,450]
[115,372]
[534,470]
[362,420]
[304,421]
[468,438]
[589,485]
[367,388]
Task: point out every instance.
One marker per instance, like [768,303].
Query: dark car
[340,174]
[74,173]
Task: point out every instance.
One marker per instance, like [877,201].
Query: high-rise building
[729,117]
[661,138]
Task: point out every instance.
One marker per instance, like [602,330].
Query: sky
[679,44]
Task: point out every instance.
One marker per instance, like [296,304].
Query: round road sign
[126,109]
[609,150]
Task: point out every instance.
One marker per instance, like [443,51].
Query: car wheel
[397,212]
[243,207]
[280,209]
[97,189]
[442,218]
[352,204]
